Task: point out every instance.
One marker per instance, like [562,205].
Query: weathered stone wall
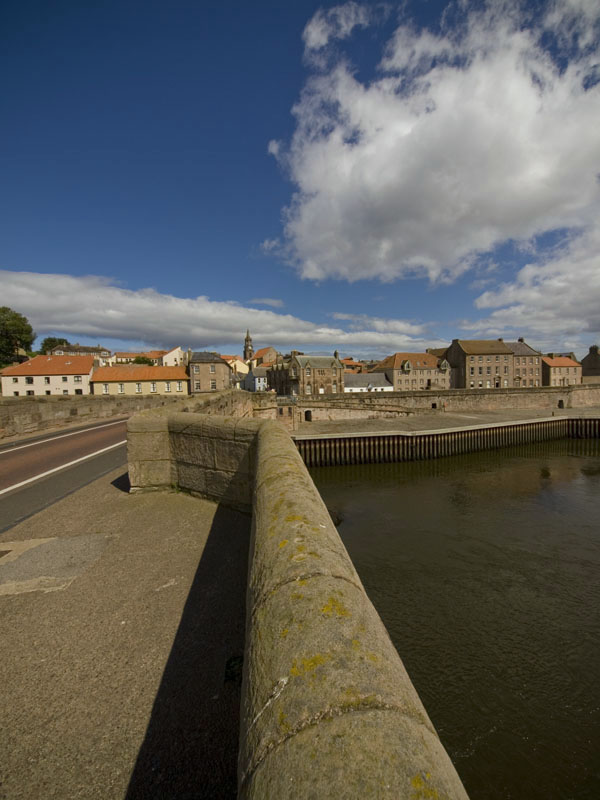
[328,708]
[394,404]
[20,415]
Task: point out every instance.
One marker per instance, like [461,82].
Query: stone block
[193,449]
[151,473]
[147,422]
[148,446]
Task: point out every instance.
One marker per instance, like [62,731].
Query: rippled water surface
[486,572]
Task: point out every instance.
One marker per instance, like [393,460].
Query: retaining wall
[28,414]
[328,709]
[364,448]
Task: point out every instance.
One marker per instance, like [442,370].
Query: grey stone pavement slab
[122,630]
[435,420]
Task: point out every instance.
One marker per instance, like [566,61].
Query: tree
[16,334]
[50,342]
[143,360]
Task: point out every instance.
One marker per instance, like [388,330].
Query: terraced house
[527,364]
[208,372]
[415,371]
[481,364]
[48,375]
[560,370]
[132,379]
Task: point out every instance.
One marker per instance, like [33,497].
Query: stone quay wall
[22,415]
[328,709]
[375,405]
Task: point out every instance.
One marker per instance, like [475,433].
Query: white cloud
[553,302]
[362,321]
[463,141]
[267,301]
[94,307]
[335,23]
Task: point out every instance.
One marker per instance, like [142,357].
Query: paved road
[34,474]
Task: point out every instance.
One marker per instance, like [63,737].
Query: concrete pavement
[122,629]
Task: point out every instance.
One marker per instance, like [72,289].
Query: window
[308,372]
[308,388]
[480,359]
[105,388]
[15,380]
[505,383]
[488,370]
[64,379]
[334,387]
[77,378]
[472,358]
[65,391]
[121,389]
[153,386]
[506,370]
[48,391]
[138,388]
[487,385]
[280,409]
[213,385]
[46,381]
[180,386]
[196,386]
[472,385]
[30,392]
[497,358]
[77,391]
[212,368]
[167,386]
[29,381]
[480,386]
[517,360]
[196,368]
[15,394]
[481,370]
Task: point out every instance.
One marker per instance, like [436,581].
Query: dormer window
[308,372]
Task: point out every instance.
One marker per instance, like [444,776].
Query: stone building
[590,364]
[306,375]
[208,372]
[255,380]
[248,348]
[527,364]
[560,371]
[480,364]
[48,375]
[135,379]
[415,371]
[366,382]
[99,352]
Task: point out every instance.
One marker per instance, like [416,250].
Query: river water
[486,572]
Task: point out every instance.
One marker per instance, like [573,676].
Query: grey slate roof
[204,357]
[365,379]
[319,362]
[522,349]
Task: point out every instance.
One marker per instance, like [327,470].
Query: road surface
[36,473]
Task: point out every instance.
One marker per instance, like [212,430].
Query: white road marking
[62,466]
[62,436]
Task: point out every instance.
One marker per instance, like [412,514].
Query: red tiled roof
[560,361]
[260,353]
[138,372]
[52,365]
[417,360]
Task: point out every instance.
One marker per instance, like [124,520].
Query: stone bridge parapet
[328,709]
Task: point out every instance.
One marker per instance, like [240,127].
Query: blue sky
[370,177]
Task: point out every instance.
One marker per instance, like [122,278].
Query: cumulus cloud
[555,301]
[482,133]
[93,306]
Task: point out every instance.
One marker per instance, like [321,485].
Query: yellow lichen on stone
[284,632]
[285,726]
[372,657]
[308,664]
[420,790]
[283,543]
[335,607]
[355,644]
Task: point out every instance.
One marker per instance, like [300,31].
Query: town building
[99,352]
[306,375]
[350,365]
[208,372]
[560,371]
[248,347]
[155,356]
[366,382]
[590,364]
[480,364]
[263,357]
[174,358]
[48,375]
[527,364]
[237,364]
[131,379]
[256,380]
[414,371]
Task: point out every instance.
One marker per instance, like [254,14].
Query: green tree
[16,334]
[143,360]
[50,342]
